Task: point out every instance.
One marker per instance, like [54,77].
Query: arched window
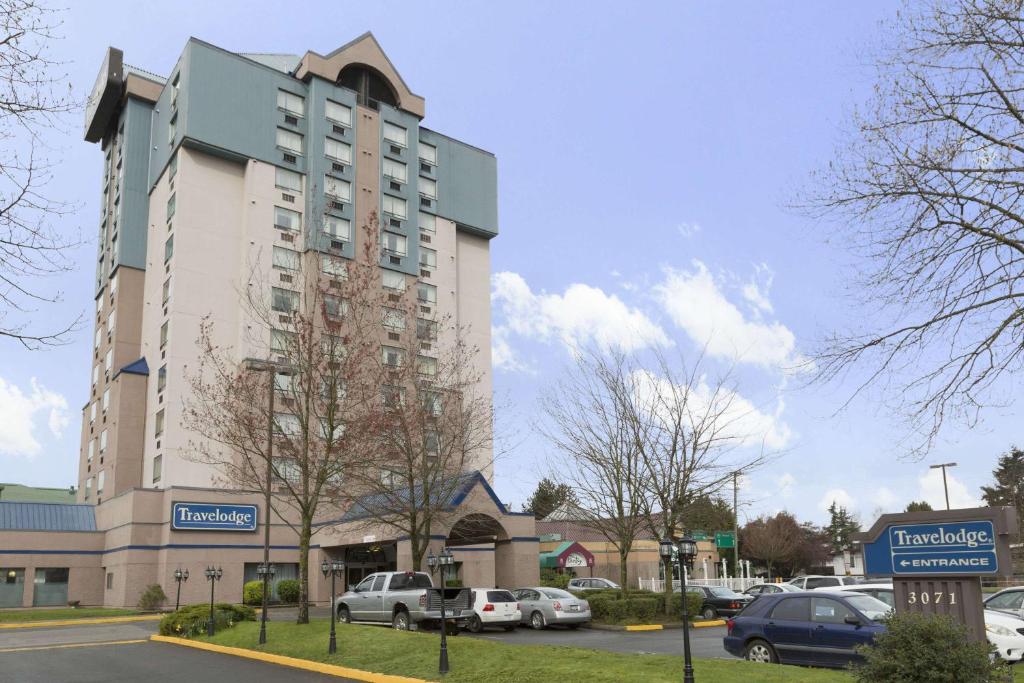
[369,85]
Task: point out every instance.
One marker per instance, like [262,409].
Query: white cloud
[756,293]
[18,415]
[583,315]
[885,499]
[930,489]
[838,496]
[688,230]
[696,303]
[785,482]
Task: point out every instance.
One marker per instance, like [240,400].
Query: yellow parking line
[83,622]
[305,664]
[707,624]
[67,645]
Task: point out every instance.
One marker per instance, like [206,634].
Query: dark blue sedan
[819,628]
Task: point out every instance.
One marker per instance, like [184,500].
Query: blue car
[818,629]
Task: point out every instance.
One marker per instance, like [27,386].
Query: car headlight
[1001,631]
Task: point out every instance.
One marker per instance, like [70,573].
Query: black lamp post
[179,576]
[444,561]
[686,549]
[213,576]
[266,573]
[335,568]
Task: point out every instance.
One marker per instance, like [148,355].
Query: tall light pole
[179,576]
[945,486]
[442,562]
[273,370]
[213,576]
[736,521]
[335,568]
[686,551]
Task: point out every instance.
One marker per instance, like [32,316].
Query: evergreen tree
[547,497]
[1009,485]
[841,528]
[707,513]
[918,506]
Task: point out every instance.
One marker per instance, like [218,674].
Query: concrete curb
[709,623]
[77,622]
[293,662]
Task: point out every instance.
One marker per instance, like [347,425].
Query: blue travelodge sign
[953,547]
[213,517]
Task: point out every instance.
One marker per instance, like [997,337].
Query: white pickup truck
[406,600]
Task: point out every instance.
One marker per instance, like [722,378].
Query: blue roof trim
[139,367]
[468,480]
[15,516]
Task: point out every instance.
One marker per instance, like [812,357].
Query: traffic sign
[725,539]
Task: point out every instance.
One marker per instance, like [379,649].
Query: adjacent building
[216,178]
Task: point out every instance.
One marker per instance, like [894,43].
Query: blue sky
[646,153]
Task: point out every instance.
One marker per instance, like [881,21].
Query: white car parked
[493,607]
[815,581]
[1004,631]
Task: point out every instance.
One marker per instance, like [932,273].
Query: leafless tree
[33,96]
[776,540]
[319,339]
[601,462]
[929,190]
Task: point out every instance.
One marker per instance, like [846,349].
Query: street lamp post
[213,576]
[179,576]
[686,549]
[943,467]
[335,568]
[266,573]
[443,562]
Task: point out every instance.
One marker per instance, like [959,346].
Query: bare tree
[433,424]
[321,339]
[601,462]
[32,98]
[774,540]
[929,189]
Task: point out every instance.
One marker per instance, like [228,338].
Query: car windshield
[720,592]
[557,594]
[873,608]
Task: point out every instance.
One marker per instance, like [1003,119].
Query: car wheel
[761,652]
[537,621]
[475,625]
[344,616]
[400,622]
[709,613]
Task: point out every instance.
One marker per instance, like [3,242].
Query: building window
[428,222]
[432,403]
[92,412]
[168,248]
[289,141]
[285,259]
[339,113]
[171,203]
[428,187]
[158,468]
[284,300]
[338,228]
[111,321]
[171,129]
[337,189]
[172,167]
[393,281]
[335,307]
[110,580]
[291,103]
[392,357]
[394,397]
[287,180]
[175,89]
[333,266]
[88,488]
[108,361]
[426,366]
[96,338]
[100,478]
[428,257]
[395,170]
[338,151]
[427,153]
[91,450]
[287,424]
[394,206]
[426,330]
[95,374]
[332,346]
[431,444]
[167,291]
[159,423]
[163,334]
[161,378]
[103,441]
[393,318]
[393,244]
[396,135]
[426,293]
[286,219]
[106,400]
[281,341]
[113,284]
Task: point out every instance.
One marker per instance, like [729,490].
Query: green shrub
[192,620]
[252,593]
[642,609]
[453,583]
[152,597]
[918,648]
[552,579]
[288,590]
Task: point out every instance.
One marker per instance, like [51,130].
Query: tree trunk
[623,577]
[304,536]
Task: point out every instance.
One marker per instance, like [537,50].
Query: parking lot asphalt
[704,642]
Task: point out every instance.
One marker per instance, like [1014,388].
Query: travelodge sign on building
[213,517]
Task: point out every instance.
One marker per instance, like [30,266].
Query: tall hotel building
[206,172]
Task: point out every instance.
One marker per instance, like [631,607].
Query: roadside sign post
[937,558]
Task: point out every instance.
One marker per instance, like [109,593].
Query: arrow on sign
[903,563]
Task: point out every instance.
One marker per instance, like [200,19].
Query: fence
[736,584]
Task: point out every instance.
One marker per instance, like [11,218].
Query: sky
[647,154]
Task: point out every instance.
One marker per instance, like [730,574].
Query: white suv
[493,607]
[809,583]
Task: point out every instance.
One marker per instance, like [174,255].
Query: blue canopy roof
[47,517]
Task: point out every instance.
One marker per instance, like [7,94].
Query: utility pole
[945,486]
[736,518]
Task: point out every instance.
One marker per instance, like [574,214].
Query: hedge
[614,607]
[252,593]
[192,620]
[288,590]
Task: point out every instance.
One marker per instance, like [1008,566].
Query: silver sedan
[543,607]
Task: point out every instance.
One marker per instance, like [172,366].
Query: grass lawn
[46,614]
[415,654]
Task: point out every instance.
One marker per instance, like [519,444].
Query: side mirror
[851,620]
